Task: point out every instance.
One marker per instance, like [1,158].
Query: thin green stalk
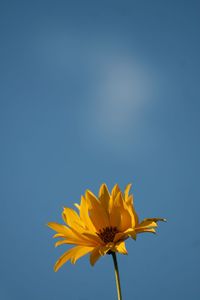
[119,293]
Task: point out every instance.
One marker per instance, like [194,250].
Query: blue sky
[92,92]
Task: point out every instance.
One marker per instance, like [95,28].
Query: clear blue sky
[92,92]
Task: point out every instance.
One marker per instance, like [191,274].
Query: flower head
[101,225]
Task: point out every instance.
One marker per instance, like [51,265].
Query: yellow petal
[104,249]
[84,214]
[94,256]
[126,219]
[127,190]
[78,240]
[121,248]
[129,200]
[97,212]
[84,238]
[141,230]
[93,237]
[115,216]
[153,220]
[104,196]
[116,208]
[58,235]
[92,199]
[77,206]
[72,219]
[115,190]
[72,236]
[148,225]
[81,252]
[72,254]
[130,207]
[119,202]
[120,236]
[58,227]
[62,242]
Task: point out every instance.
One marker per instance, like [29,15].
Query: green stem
[119,293]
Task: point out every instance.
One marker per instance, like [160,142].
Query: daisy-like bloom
[100,225]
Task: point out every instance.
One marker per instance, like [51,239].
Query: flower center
[107,234]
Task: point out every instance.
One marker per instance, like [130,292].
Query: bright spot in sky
[119,97]
[119,88]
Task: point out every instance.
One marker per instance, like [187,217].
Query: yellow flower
[101,225]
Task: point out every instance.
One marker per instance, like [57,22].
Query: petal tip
[55,268]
